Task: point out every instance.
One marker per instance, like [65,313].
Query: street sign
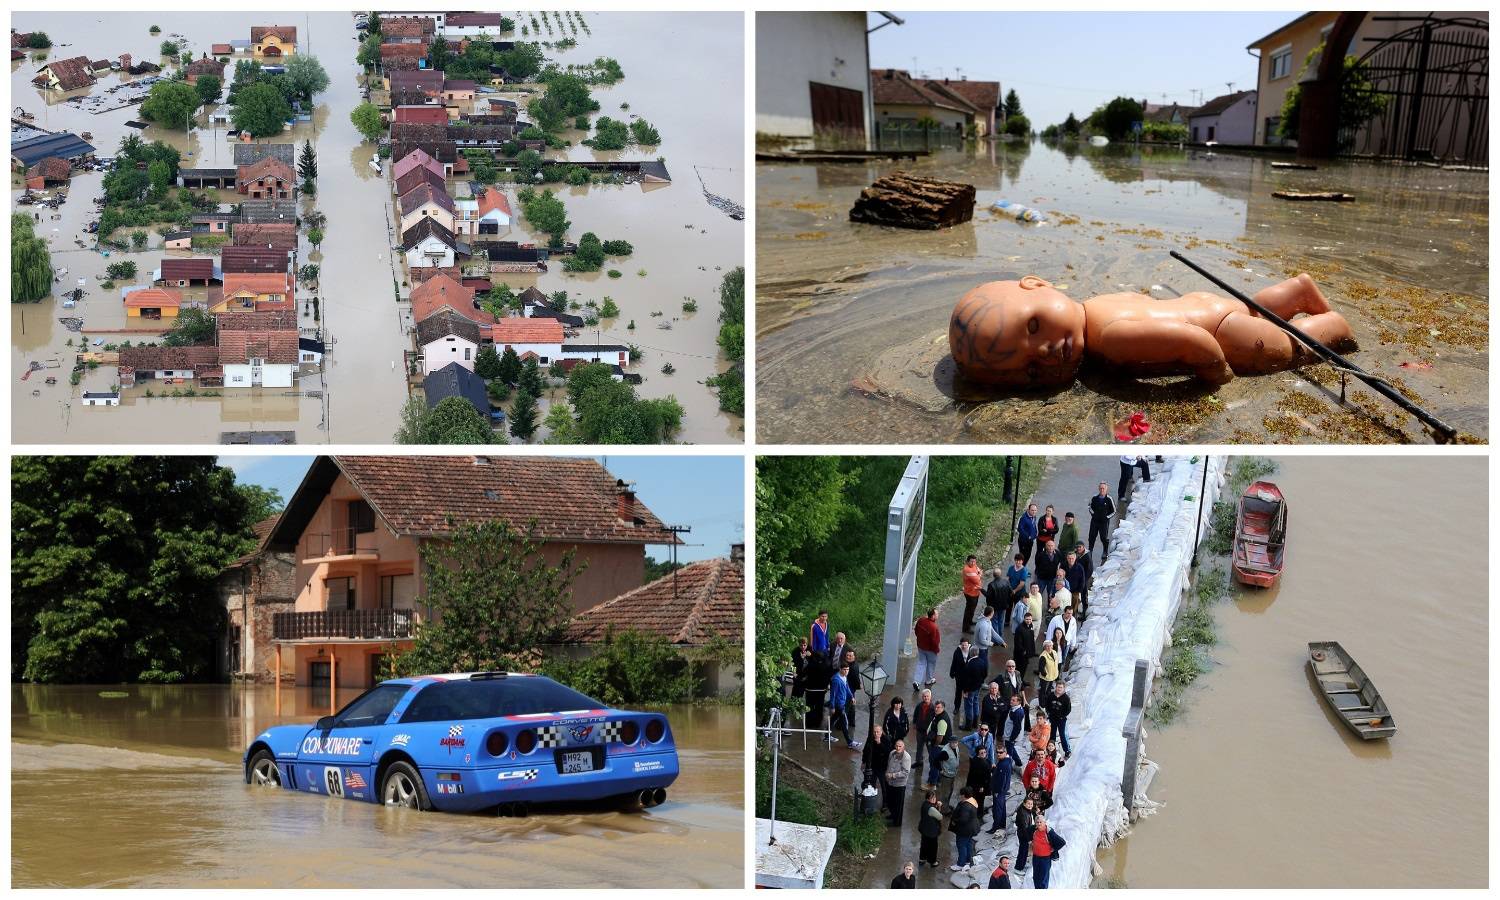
[905,520]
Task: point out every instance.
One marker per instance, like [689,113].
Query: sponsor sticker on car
[647,765]
[332,746]
[518,775]
[400,740]
[455,738]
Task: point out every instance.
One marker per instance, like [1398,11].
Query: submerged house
[69,74]
[273,40]
[258,349]
[356,526]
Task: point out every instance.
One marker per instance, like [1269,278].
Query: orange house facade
[356,526]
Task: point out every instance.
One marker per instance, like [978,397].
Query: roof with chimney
[444,323]
[427,226]
[265,235]
[517,330]
[896,86]
[155,357]
[269,335]
[425,113]
[257,258]
[284,33]
[416,159]
[422,195]
[190,269]
[71,74]
[982,95]
[574,499]
[699,604]
[415,175]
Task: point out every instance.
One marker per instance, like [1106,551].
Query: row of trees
[601,410]
[731,383]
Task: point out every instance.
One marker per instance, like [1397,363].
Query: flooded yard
[852,319]
[1262,785]
[683,245]
[151,784]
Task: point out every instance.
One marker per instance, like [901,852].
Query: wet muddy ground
[150,784]
[1262,785]
[357,399]
[852,319]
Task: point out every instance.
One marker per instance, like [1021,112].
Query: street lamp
[873,678]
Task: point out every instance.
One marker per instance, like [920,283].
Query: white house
[447,337]
[259,372]
[258,349]
[469,24]
[1229,119]
[487,214]
[101,398]
[608,354]
[812,73]
[428,243]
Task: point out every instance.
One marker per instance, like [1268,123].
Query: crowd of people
[1005,733]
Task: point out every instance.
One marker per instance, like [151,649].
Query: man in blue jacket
[1015,722]
[839,697]
[1000,789]
[1026,533]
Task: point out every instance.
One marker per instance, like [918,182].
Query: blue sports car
[471,741]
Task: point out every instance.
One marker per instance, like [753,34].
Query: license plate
[580,761]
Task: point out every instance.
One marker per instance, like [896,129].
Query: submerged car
[468,742]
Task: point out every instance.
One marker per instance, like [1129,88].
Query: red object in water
[1260,535]
[1416,365]
[1132,428]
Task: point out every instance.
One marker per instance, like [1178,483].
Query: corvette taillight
[656,729]
[526,741]
[496,743]
[630,732]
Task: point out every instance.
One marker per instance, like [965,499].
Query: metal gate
[1435,76]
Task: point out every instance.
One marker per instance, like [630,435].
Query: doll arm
[1152,342]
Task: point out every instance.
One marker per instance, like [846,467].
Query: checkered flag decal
[455,731]
[520,775]
[609,732]
[549,736]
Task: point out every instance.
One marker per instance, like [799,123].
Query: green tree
[260,502]
[589,256]
[644,133]
[529,162]
[609,134]
[1012,103]
[160,176]
[523,415]
[510,366]
[1017,125]
[168,48]
[609,309]
[487,363]
[114,561]
[138,239]
[210,88]
[494,599]
[730,385]
[306,76]
[1071,125]
[315,237]
[122,270]
[732,313]
[171,104]
[618,248]
[307,165]
[521,61]
[629,668]
[531,378]
[38,40]
[1117,117]
[438,54]
[369,51]
[261,110]
[453,421]
[546,213]
[609,412]
[193,326]
[561,429]
[366,118]
[1359,102]
[30,263]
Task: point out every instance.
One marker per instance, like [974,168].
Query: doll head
[1017,333]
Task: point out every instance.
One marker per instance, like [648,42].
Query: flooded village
[274,279]
[1392,225]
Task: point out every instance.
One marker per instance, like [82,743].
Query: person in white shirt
[1065,622]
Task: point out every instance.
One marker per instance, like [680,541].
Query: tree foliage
[261,110]
[589,256]
[487,362]
[732,313]
[366,118]
[609,134]
[523,415]
[113,566]
[630,668]
[30,262]
[606,411]
[1017,125]
[306,76]
[209,87]
[510,366]
[193,326]
[307,164]
[453,421]
[1359,102]
[1117,117]
[494,598]
[545,213]
[1012,103]
[643,133]
[171,104]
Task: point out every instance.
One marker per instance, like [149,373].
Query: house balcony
[344,625]
[341,545]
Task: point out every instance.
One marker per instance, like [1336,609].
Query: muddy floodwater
[852,318]
[682,245]
[1262,786]
[151,785]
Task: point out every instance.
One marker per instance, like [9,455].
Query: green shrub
[630,668]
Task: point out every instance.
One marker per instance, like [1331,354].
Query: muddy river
[151,785]
[357,398]
[1263,786]
[852,319]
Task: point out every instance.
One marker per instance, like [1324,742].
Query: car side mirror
[325,723]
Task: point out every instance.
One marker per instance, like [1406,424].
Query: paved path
[1067,484]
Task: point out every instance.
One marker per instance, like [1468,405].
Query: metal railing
[340,542]
[366,624]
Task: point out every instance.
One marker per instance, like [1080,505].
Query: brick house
[204,65]
[258,349]
[355,528]
[273,40]
[700,606]
[266,179]
[253,589]
[252,291]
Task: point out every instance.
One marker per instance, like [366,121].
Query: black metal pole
[1015,495]
[1198,533]
[1445,431]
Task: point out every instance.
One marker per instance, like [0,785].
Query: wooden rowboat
[1348,690]
[1260,535]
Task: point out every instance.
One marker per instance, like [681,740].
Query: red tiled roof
[896,86]
[443,290]
[420,196]
[257,282]
[286,33]
[270,335]
[493,199]
[420,274]
[192,268]
[205,65]
[413,160]
[152,298]
[982,95]
[458,84]
[168,357]
[52,168]
[426,80]
[253,259]
[406,26]
[419,175]
[222,50]
[409,51]
[72,73]
[265,167]
[426,114]
[694,606]
[265,235]
[568,499]
[516,330]
[483,20]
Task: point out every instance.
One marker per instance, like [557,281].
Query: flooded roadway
[840,303]
[363,386]
[150,784]
[1263,786]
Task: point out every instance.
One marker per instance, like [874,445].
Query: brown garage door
[837,111]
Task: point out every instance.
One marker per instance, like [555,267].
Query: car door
[337,757]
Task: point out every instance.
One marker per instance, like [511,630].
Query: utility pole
[676,530]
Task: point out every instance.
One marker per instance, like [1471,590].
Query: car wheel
[402,786]
[263,770]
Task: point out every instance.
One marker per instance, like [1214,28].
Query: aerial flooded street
[682,245]
[852,319]
[151,784]
[1262,786]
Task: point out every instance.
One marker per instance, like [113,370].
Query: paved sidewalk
[1067,484]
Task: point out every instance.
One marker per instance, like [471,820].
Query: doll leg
[1253,345]
[1293,296]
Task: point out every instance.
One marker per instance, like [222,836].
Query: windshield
[459,700]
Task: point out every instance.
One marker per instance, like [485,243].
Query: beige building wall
[886,113]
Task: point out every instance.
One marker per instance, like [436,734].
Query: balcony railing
[340,542]
[359,624]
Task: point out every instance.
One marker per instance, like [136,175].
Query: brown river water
[1262,786]
[359,396]
[151,786]
[852,318]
